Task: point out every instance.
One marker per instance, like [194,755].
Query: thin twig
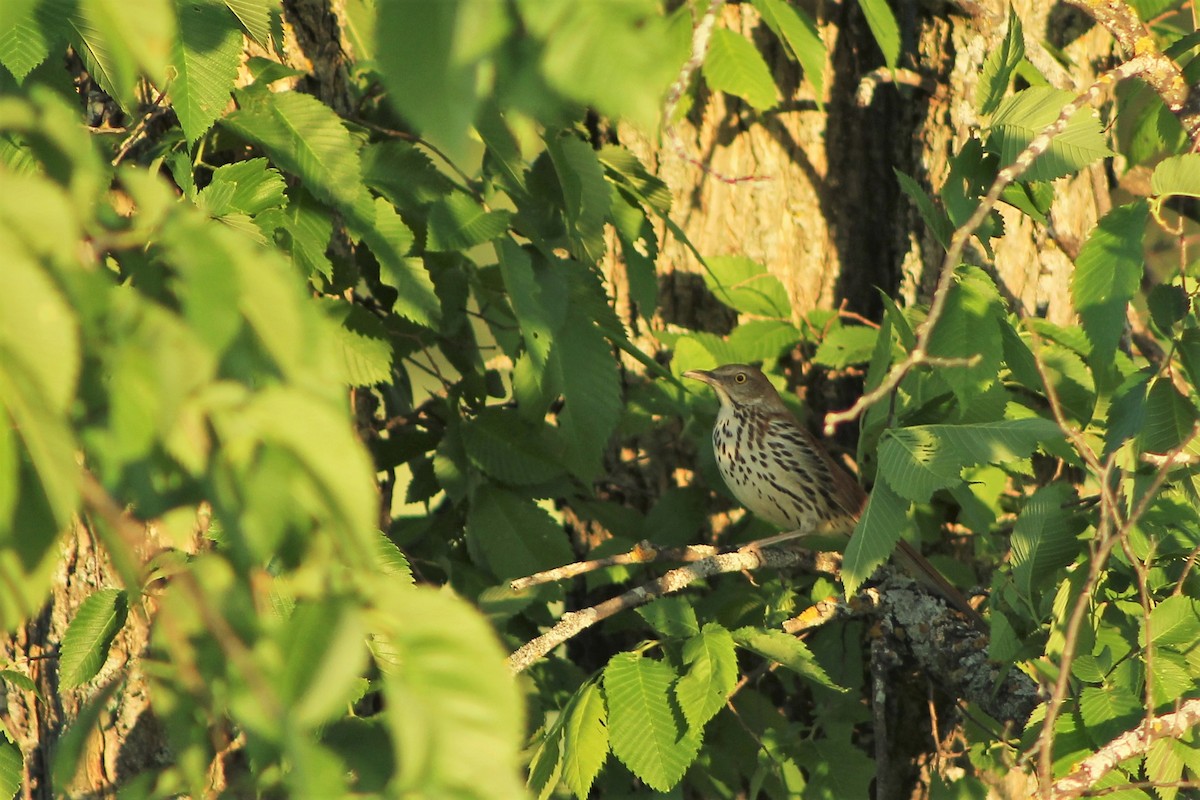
[642,553]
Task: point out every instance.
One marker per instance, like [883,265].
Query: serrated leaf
[745,285]
[1178,175]
[1024,115]
[712,673]
[205,57]
[255,16]
[646,730]
[1044,537]
[967,329]
[500,443]
[918,460]
[846,345]
[546,765]
[310,229]
[305,137]
[585,740]
[735,66]
[1164,766]
[390,240]
[1107,272]
[87,640]
[458,222]
[1170,418]
[671,616]
[787,650]
[12,764]
[800,36]
[514,536]
[391,559]
[879,528]
[999,67]
[249,187]
[137,34]
[1108,711]
[366,349]
[884,28]
[532,300]
[587,196]
[586,372]
[26,39]
[1175,623]
[403,174]
[625,170]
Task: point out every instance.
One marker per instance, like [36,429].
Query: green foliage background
[231,308]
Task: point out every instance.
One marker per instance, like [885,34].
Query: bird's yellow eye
[740,377]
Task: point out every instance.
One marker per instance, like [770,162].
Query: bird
[779,471]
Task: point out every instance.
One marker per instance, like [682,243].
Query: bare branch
[642,553]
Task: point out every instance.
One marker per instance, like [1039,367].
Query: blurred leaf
[516,537]
[87,639]
[646,730]
[712,672]
[323,655]
[135,34]
[1107,272]
[1024,115]
[884,28]
[205,57]
[734,66]
[800,36]
[745,285]
[41,331]
[450,689]
[999,67]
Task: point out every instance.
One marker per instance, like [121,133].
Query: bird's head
[739,386]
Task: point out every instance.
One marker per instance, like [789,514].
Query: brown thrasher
[781,473]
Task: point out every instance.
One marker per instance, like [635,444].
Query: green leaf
[458,222]
[884,28]
[787,650]
[671,616]
[135,34]
[449,694]
[498,442]
[205,57]
[324,654]
[309,229]
[1164,766]
[585,739]
[617,57]
[514,536]
[90,634]
[625,170]
[431,81]
[27,32]
[875,536]
[846,345]
[1024,115]
[1170,417]
[999,67]
[761,340]
[249,187]
[1109,711]
[969,327]
[712,673]
[1044,537]
[745,285]
[391,559]
[365,346]
[800,36]
[1107,272]
[918,460]
[587,196]
[646,730]
[305,137]
[1175,623]
[735,66]
[255,16]
[586,372]
[933,217]
[390,240]
[12,766]
[1178,175]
